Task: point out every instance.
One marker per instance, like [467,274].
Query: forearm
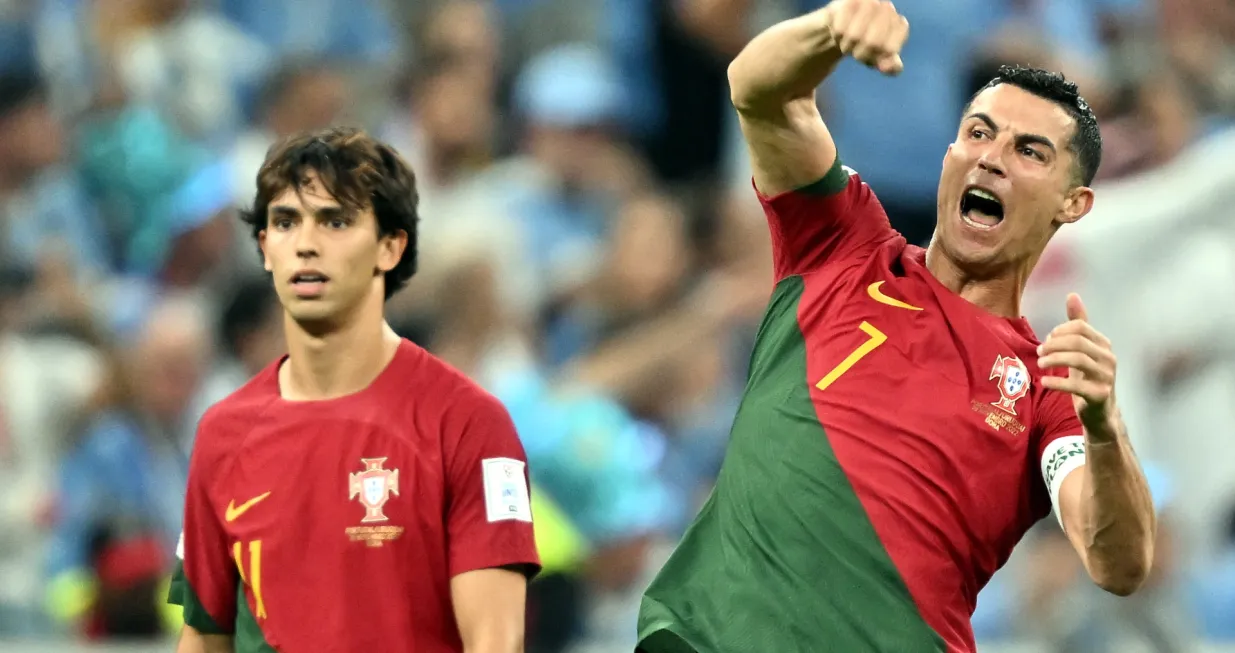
[1117,515]
[785,62]
[192,641]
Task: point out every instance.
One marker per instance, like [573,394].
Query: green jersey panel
[782,556]
[248,637]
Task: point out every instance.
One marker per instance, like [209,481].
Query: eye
[978,133]
[337,223]
[281,224]
[1032,153]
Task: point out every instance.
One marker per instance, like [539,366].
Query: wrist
[1104,429]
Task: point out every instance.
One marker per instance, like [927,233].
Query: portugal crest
[374,486]
[1013,382]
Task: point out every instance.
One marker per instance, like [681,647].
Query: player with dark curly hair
[358,494]
[902,427]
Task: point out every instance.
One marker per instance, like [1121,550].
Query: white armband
[1061,458]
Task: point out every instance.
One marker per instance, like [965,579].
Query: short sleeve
[489,514]
[1061,447]
[835,217]
[206,580]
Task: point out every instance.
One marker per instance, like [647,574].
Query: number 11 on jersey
[254,577]
[876,338]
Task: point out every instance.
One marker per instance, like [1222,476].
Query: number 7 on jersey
[876,338]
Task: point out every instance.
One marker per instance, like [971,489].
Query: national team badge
[1013,382]
[374,486]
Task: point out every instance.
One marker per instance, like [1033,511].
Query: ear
[1076,203]
[390,250]
[261,244]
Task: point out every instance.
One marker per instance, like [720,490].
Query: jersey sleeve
[835,217]
[489,514]
[205,582]
[1061,447]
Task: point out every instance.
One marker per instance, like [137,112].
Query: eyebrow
[1021,139]
[322,213]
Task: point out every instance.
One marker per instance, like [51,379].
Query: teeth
[978,192]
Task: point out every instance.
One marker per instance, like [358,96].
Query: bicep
[489,607]
[789,146]
[489,515]
[207,579]
[194,641]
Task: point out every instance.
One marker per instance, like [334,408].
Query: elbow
[1123,577]
[739,84]
[1122,585]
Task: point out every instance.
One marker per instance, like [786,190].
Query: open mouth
[980,208]
[309,283]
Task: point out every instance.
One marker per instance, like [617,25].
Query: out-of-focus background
[592,253]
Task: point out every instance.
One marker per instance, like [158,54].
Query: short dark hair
[1086,143]
[358,171]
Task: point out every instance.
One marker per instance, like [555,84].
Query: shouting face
[1009,181]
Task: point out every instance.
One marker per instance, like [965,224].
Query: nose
[306,242]
[992,161]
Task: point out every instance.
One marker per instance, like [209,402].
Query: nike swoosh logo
[234,511]
[877,295]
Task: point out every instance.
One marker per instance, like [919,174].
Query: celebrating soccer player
[358,494]
[902,427]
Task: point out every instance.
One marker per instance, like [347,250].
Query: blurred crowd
[591,251]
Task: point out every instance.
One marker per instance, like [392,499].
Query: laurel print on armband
[1062,457]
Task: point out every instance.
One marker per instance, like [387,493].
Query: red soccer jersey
[337,525]
[893,446]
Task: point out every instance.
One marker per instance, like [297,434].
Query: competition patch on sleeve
[506,493]
[1060,458]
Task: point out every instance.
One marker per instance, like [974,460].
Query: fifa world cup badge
[1013,382]
[373,486]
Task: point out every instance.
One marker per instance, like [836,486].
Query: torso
[867,513]
[335,509]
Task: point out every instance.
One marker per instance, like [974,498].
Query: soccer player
[357,494]
[902,428]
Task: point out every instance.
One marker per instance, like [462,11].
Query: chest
[355,489]
[894,365]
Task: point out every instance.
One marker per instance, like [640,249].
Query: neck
[999,294]
[339,361]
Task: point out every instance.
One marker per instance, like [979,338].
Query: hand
[870,31]
[1087,354]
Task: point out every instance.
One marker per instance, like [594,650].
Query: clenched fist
[870,31]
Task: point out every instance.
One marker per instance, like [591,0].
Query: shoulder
[839,182]
[438,390]
[224,425]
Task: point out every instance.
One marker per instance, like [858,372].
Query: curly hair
[358,171]
[1086,142]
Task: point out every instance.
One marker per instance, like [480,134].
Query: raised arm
[817,209]
[773,81]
